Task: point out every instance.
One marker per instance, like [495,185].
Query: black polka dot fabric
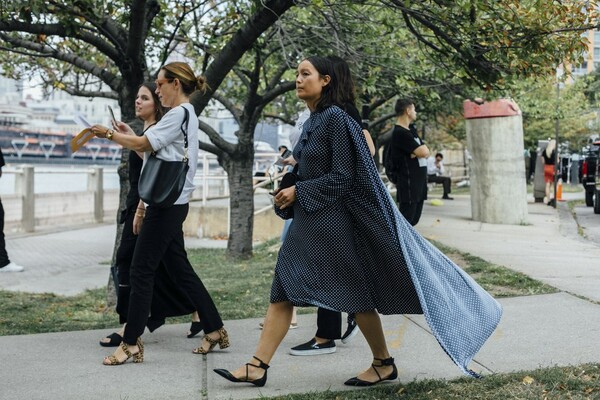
[349,249]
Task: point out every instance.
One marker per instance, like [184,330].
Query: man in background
[5,264]
[435,172]
[410,158]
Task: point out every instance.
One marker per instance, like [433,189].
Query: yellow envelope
[82,138]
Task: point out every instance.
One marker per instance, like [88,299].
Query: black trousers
[4,261]
[161,238]
[329,324]
[412,211]
[444,180]
[123,262]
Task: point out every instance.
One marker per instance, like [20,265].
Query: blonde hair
[183,72]
[550,147]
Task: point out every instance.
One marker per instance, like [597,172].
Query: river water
[59,179]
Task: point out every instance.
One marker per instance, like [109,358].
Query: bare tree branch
[278,91]
[241,41]
[283,119]
[59,30]
[230,106]
[219,145]
[46,51]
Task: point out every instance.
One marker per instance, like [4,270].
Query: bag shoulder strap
[186,118]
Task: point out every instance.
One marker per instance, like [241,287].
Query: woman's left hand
[99,131]
[123,128]
[138,219]
[285,197]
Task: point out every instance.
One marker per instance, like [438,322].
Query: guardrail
[57,194]
[74,201]
[24,200]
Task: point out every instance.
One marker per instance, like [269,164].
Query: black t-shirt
[412,177]
[549,160]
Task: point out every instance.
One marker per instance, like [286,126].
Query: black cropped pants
[161,238]
[329,324]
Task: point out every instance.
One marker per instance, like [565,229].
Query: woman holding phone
[161,233]
[167,299]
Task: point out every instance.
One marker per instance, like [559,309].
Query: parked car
[589,166]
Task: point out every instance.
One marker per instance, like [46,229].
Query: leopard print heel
[137,357]
[223,342]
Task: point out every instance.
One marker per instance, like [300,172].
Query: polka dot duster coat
[349,249]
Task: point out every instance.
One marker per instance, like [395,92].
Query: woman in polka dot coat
[349,249]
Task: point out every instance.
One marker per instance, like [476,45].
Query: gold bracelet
[109,134]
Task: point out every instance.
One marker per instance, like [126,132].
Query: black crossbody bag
[162,182]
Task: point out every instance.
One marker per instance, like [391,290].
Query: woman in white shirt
[161,234]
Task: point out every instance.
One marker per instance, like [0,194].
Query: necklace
[148,127]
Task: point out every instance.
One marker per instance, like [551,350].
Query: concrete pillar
[495,143]
[96,185]
[24,187]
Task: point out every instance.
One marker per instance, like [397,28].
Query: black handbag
[287,180]
[162,182]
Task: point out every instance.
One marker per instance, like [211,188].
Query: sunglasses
[160,82]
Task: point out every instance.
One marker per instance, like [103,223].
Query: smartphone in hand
[112,116]
[285,155]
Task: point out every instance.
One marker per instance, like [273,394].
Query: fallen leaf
[528,380]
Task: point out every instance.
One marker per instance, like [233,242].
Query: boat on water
[26,140]
[25,145]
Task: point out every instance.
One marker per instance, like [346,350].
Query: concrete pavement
[535,331]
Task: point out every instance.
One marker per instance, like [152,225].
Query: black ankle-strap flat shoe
[387,362]
[260,382]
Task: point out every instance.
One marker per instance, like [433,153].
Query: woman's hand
[285,197]
[123,128]
[99,131]
[137,223]
[289,161]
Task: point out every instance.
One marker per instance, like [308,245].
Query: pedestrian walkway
[535,331]
[68,262]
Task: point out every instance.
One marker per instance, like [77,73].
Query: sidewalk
[535,331]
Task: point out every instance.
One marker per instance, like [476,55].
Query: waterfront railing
[40,196]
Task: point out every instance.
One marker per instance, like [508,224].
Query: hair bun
[201,84]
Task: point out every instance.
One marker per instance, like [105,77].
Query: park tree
[107,49]
[543,102]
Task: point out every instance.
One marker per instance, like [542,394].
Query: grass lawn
[232,283]
[577,382]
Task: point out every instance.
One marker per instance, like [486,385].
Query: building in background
[43,128]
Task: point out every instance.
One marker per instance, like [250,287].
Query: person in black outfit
[549,158]
[167,299]
[435,174]
[173,138]
[329,323]
[5,264]
[411,157]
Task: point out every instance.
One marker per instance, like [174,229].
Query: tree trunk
[241,207]
[123,172]
[128,115]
